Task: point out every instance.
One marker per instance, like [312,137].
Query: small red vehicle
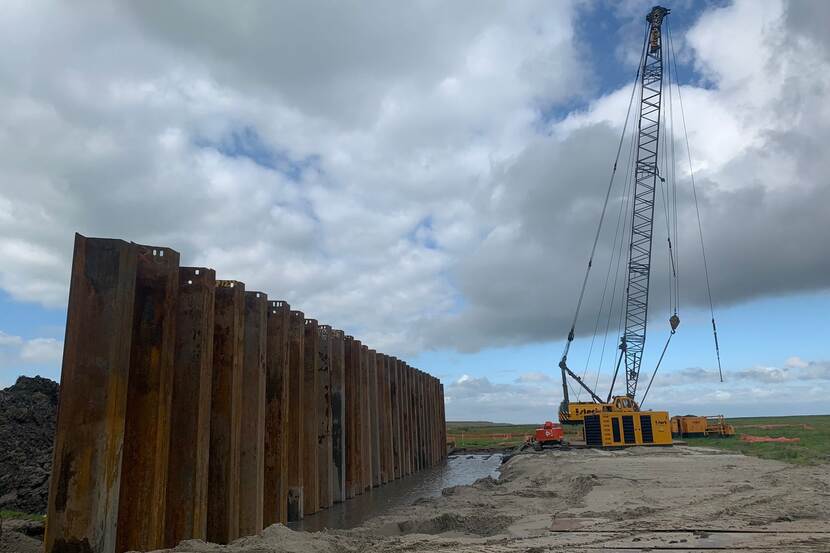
[550,434]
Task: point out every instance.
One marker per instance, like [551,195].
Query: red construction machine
[551,434]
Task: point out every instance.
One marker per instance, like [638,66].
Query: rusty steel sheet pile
[191,408]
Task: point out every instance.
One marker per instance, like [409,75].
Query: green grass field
[812,431]
[490,435]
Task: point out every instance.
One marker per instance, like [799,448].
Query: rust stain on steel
[84,488]
[440,441]
[149,393]
[338,416]
[354,438]
[252,437]
[434,413]
[406,406]
[276,415]
[442,421]
[311,386]
[324,445]
[410,422]
[421,420]
[414,406]
[430,422]
[383,430]
[416,423]
[404,420]
[365,421]
[348,425]
[226,412]
[294,431]
[387,377]
[417,412]
[187,468]
[416,429]
[394,400]
[422,428]
[374,418]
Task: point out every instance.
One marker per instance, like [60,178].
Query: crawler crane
[618,420]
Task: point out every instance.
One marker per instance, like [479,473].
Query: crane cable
[672,58]
[572,331]
[643,400]
[621,222]
[697,207]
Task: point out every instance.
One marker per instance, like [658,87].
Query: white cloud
[474,398]
[19,355]
[756,133]
[531,377]
[42,350]
[335,158]
[386,168]
[693,390]
[7,340]
[796,362]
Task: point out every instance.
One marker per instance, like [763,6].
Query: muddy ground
[638,499]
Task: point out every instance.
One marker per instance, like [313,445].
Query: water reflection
[457,471]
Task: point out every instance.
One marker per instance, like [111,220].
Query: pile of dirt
[27,428]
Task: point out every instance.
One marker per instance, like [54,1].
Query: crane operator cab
[622,403]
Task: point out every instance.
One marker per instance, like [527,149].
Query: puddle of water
[457,471]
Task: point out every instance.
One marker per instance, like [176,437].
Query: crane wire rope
[669,199]
[659,361]
[626,239]
[697,207]
[601,310]
[664,197]
[676,257]
[572,331]
[623,209]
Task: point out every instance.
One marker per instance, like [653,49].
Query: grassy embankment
[813,432]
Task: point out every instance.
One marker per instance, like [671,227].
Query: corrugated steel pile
[192,408]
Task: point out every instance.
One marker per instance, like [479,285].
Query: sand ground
[638,499]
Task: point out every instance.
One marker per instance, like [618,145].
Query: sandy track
[639,499]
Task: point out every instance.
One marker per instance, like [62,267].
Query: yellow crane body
[623,429]
[575,412]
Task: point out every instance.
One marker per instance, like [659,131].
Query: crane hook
[674,322]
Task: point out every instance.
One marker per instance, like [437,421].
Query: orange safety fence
[761,439]
[474,436]
[774,426]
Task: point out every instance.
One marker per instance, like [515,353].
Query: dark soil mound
[27,428]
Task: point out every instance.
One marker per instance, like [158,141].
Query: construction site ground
[637,499]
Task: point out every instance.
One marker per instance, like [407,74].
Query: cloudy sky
[428,176]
